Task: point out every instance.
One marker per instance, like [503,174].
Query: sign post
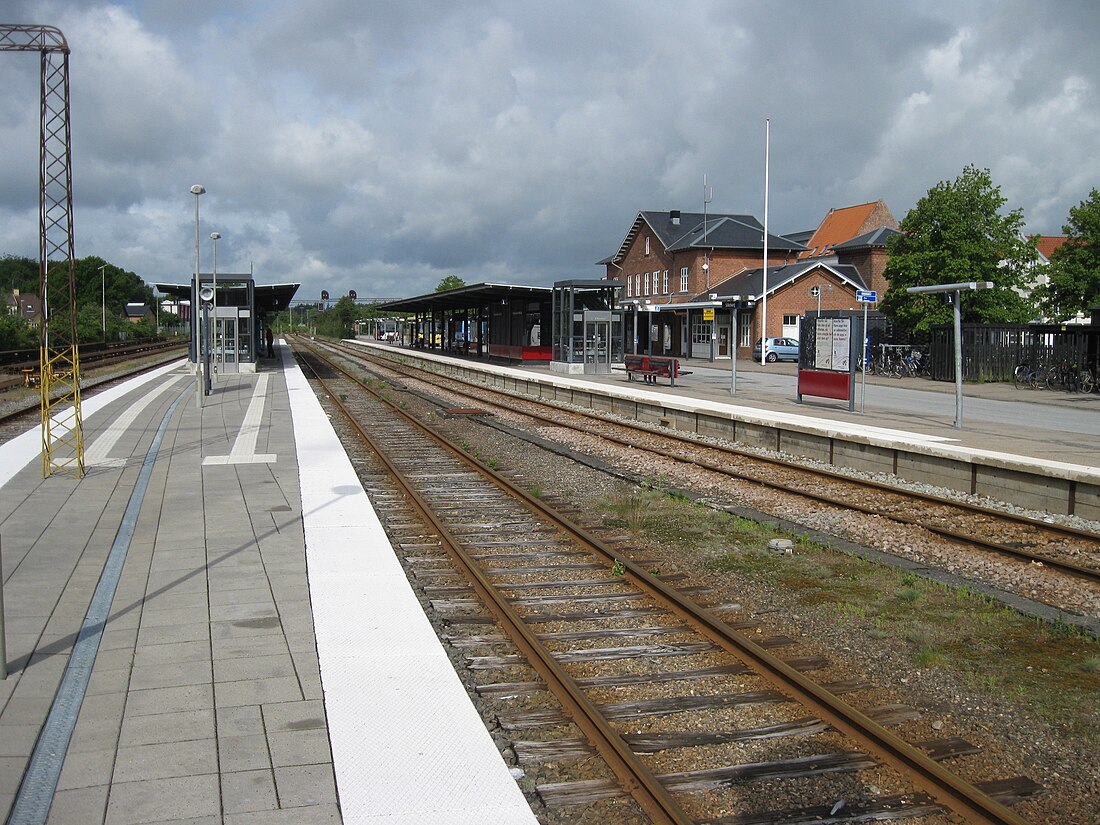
[734,303]
[865,297]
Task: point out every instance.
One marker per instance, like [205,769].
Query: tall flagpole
[764,291]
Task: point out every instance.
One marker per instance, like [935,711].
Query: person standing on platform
[270,343]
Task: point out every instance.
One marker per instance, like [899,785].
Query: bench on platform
[652,367]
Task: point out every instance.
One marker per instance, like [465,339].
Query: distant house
[26,306]
[685,270]
[1046,245]
[136,313]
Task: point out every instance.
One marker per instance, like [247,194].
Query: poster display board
[827,366]
[833,344]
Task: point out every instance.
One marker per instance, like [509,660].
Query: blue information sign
[867,296]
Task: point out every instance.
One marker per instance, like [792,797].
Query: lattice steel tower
[59,362]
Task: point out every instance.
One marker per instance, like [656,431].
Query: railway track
[688,713]
[19,368]
[1036,543]
[19,405]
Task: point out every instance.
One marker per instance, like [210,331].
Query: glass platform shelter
[587,326]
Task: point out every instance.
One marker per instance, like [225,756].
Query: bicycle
[913,364]
[1025,376]
[1086,382]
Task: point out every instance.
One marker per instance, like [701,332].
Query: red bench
[652,367]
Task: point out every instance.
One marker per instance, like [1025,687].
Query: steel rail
[944,786]
[89,384]
[1068,567]
[636,778]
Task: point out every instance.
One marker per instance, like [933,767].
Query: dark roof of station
[472,296]
[268,297]
[749,284]
[679,231]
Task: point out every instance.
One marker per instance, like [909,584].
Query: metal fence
[991,352]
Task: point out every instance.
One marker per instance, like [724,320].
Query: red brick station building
[685,273]
[683,282]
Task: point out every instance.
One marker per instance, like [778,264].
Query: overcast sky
[380,146]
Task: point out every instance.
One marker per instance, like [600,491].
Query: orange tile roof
[1048,243]
[839,225]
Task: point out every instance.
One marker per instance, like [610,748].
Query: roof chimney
[674,216]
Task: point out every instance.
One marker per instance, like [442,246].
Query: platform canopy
[466,297]
[268,297]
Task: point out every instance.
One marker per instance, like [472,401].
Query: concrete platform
[1039,450]
[211,627]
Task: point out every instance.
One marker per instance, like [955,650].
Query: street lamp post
[103,298]
[196,190]
[217,346]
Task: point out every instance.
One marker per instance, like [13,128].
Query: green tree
[449,282]
[98,284]
[339,321]
[111,285]
[15,333]
[18,273]
[1074,284]
[956,234]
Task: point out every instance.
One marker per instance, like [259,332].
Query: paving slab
[204,700]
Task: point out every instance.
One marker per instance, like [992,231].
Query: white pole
[764,291]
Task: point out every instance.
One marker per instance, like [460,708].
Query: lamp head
[215,236]
[198,189]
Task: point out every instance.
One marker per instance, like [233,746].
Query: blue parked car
[777,349]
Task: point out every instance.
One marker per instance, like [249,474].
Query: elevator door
[597,343]
[226,346]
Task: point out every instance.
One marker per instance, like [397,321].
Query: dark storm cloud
[381,146]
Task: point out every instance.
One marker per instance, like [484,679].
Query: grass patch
[1051,670]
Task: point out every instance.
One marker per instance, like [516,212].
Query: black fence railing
[991,352]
